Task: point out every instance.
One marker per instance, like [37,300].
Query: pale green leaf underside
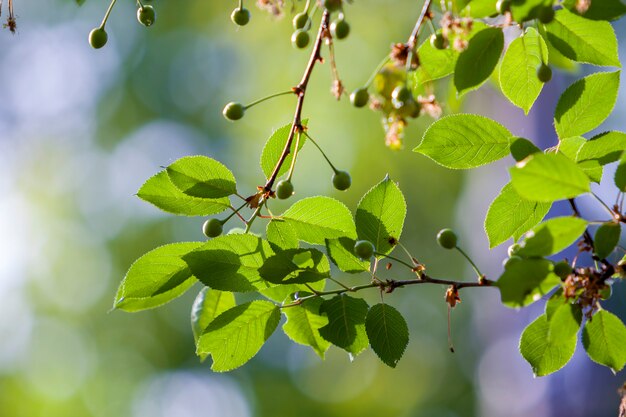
[303,324]
[586,104]
[156,278]
[380,215]
[387,332]
[583,40]
[162,193]
[476,63]
[315,219]
[546,355]
[236,335]
[518,71]
[604,339]
[208,305]
[465,141]
[511,216]
[548,177]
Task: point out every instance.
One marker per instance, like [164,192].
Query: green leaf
[545,354]
[604,148]
[315,219]
[341,252]
[583,40]
[570,148]
[606,239]
[565,321]
[518,72]
[236,335]
[346,323]
[521,148]
[281,234]
[434,63]
[295,266]
[281,293]
[231,262]
[387,332]
[208,305]
[511,216]
[476,63]
[479,9]
[156,278]
[527,9]
[380,215]
[203,177]
[555,301]
[303,324]
[160,191]
[586,103]
[548,177]
[463,141]
[604,338]
[274,148]
[552,236]
[599,10]
[620,174]
[526,281]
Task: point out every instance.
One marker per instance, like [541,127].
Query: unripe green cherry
[401,95]
[562,269]
[605,293]
[339,28]
[331,5]
[513,249]
[301,21]
[546,15]
[508,262]
[438,41]
[212,228]
[146,15]
[364,249]
[98,38]
[360,97]
[284,189]
[240,16]
[234,111]
[544,73]
[300,39]
[446,238]
[342,180]
[502,6]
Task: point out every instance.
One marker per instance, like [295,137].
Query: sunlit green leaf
[341,252]
[236,335]
[274,148]
[387,332]
[200,176]
[620,174]
[281,234]
[477,62]
[303,324]
[552,236]
[526,281]
[544,353]
[295,266]
[156,278]
[606,239]
[208,305]
[604,339]
[599,9]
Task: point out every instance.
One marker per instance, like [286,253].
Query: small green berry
[301,21]
[508,262]
[438,41]
[546,15]
[360,97]
[446,238]
[401,95]
[332,5]
[544,73]
[340,29]
[98,38]
[513,249]
[240,16]
[364,249]
[605,293]
[562,269]
[284,189]
[409,108]
[342,180]
[212,228]
[503,6]
[146,15]
[234,111]
[300,39]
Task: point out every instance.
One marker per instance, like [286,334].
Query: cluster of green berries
[98,37]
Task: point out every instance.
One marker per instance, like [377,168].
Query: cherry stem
[377,70]
[300,90]
[235,212]
[611,212]
[254,216]
[320,149]
[261,100]
[140,4]
[295,155]
[478,273]
[240,4]
[106,15]
[393,258]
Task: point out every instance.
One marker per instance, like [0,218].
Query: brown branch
[412,42]
[300,90]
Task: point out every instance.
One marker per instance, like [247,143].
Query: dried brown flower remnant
[582,6]
[399,54]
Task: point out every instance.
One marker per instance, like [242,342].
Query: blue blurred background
[80,130]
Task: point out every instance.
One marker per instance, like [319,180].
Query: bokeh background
[80,130]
